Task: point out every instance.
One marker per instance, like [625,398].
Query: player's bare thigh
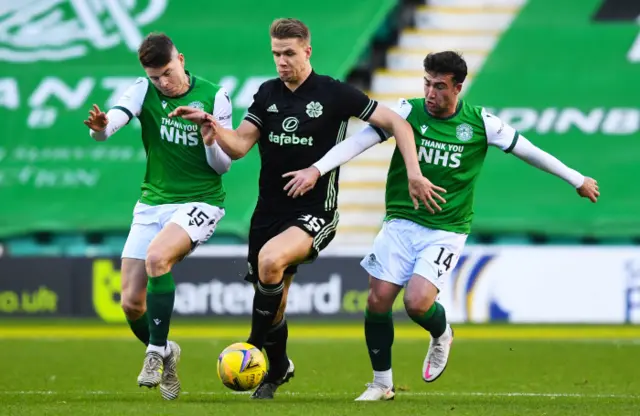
[167,248]
[292,246]
[419,295]
[134,288]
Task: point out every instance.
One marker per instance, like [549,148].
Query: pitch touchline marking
[333,332]
[335,394]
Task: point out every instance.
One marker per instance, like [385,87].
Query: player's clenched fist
[589,189]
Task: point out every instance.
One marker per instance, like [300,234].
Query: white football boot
[438,355]
[170,384]
[375,392]
[152,369]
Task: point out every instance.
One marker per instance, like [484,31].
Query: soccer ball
[241,366]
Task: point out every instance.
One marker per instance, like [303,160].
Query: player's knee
[378,302]
[133,309]
[416,305]
[157,262]
[271,266]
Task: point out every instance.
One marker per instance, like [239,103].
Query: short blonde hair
[287,28]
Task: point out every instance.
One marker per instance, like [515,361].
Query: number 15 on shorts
[311,223]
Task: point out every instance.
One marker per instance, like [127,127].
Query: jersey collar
[308,83]
[458,108]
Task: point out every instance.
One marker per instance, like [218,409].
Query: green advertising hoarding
[58,57]
[565,75]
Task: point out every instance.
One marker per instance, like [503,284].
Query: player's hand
[301,181]
[589,189]
[208,130]
[189,113]
[97,120]
[421,189]
[208,124]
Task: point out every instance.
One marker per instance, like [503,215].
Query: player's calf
[138,321]
[379,333]
[421,307]
[133,296]
[289,247]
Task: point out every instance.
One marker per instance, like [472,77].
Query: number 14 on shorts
[444,258]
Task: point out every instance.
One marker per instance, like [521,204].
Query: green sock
[434,320]
[378,332]
[140,328]
[161,293]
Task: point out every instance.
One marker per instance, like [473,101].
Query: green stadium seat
[28,246]
[515,239]
[621,241]
[91,250]
[115,241]
[69,243]
[564,241]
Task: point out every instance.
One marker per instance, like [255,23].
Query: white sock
[159,349]
[384,378]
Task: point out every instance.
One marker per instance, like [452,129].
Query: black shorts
[322,227]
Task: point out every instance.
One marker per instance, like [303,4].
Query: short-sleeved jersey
[451,152]
[296,129]
[177,170]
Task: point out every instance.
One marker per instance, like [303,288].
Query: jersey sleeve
[257,110]
[403,108]
[499,133]
[222,109]
[131,101]
[354,103]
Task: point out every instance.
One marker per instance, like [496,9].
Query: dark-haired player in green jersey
[416,249]
[182,198]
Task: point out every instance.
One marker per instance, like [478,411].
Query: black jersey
[297,128]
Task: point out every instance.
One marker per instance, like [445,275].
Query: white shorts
[198,219]
[403,248]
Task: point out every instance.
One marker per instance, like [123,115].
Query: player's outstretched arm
[304,180]
[420,188]
[505,137]
[528,152]
[235,143]
[102,125]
